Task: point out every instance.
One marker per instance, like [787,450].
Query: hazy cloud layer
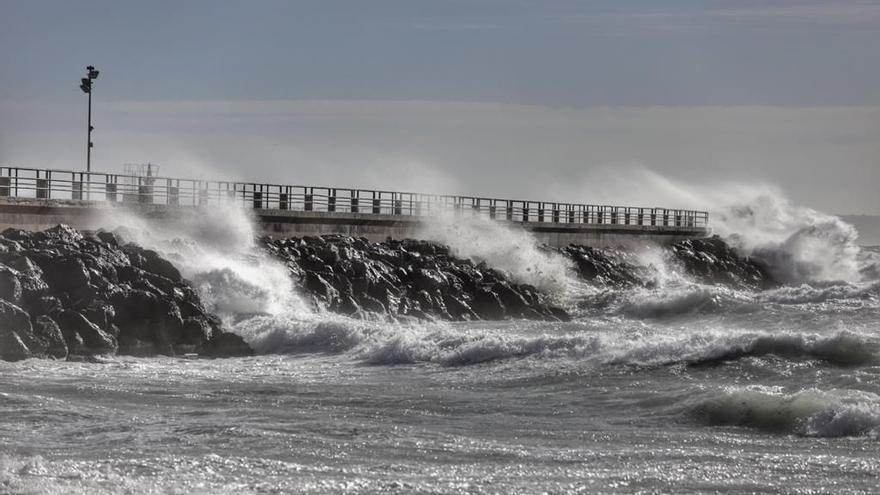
[827,157]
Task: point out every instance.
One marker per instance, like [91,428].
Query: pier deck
[35,199]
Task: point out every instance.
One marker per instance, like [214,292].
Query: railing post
[42,188]
[4,187]
[258,200]
[76,190]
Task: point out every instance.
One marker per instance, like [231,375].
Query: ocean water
[675,387]
[757,397]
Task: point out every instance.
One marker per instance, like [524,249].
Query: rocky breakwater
[708,261]
[67,294]
[406,279]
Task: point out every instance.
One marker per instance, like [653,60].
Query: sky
[587,101]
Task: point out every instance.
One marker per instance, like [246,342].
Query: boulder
[15,333]
[488,305]
[10,286]
[155,264]
[66,275]
[227,344]
[50,337]
[84,337]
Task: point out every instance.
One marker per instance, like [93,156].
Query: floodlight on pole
[86,87]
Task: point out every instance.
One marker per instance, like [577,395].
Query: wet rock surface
[68,294]
[709,261]
[406,279]
[713,261]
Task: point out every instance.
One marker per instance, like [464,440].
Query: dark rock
[458,309]
[90,294]
[108,238]
[513,301]
[84,337]
[153,263]
[195,332]
[401,279]
[428,280]
[18,235]
[228,345]
[10,286]
[319,286]
[50,336]
[15,333]
[371,304]
[487,305]
[66,275]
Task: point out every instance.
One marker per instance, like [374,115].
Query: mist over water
[664,383]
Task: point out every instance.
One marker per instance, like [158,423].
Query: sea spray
[215,248]
[800,244]
[511,250]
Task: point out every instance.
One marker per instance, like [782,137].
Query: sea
[671,386]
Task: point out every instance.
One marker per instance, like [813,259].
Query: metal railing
[48,184]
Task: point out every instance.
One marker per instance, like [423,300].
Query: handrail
[22,182]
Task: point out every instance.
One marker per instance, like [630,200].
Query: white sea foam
[215,248]
[819,293]
[799,243]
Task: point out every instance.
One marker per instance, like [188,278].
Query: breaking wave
[513,251]
[797,243]
[381,343]
[811,413]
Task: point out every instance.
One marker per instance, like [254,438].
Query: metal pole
[89,143]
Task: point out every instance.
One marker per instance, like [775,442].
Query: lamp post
[86,86]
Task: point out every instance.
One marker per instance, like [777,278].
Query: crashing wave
[812,413]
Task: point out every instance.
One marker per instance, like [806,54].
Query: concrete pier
[34,199]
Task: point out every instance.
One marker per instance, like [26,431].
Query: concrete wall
[30,214]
